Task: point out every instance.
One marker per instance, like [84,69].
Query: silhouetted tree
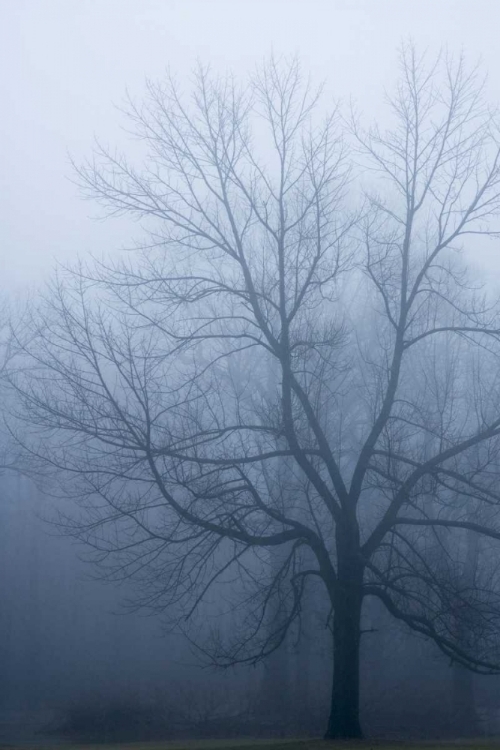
[149,379]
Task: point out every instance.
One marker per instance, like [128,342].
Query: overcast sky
[64,64]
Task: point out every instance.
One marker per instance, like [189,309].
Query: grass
[279,744]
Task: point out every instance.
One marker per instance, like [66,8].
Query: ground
[479,744]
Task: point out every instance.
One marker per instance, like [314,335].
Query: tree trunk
[344,714]
[275,692]
[464,717]
[465,723]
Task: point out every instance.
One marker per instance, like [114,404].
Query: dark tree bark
[344,713]
[344,721]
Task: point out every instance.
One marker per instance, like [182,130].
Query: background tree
[149,386]
[11,459]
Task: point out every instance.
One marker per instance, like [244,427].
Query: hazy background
[64,64]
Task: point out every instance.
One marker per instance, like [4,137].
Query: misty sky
[64,64]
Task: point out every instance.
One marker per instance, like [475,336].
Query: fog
[67,65]
[142,646]
[76,663]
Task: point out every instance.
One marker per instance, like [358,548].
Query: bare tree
[150,391]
